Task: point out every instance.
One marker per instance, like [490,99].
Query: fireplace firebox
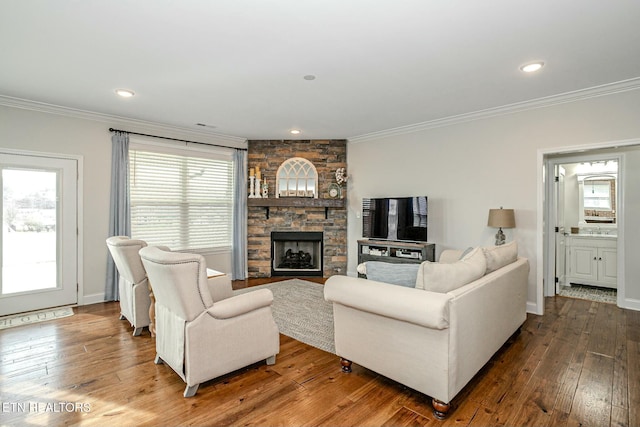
[296,253]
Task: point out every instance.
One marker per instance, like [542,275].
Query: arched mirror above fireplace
[297,177]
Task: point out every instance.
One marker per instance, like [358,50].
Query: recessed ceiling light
[294,131]
[532,67]
[125,93]
[309,77]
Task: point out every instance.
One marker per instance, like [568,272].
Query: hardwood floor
[577,365]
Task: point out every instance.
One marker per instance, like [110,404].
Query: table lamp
[501,218]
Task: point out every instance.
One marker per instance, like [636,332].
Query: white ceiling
[238,65]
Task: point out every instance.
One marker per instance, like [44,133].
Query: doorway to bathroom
[584,212]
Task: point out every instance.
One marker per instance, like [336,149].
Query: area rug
[591,293]
[34,317]
[301,312]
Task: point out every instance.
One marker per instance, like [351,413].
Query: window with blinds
[183,200]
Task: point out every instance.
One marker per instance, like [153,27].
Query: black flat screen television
[395,218]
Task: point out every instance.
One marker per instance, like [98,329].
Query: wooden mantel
[297,202]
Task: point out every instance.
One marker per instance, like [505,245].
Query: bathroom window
[597,195]
[598,199]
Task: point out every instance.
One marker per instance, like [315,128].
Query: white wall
[23,129]
[631,188]
[467,168]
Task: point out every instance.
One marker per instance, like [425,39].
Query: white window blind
[597,195]
[183,200]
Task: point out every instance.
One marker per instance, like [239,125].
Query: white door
[38,246]
[559,228]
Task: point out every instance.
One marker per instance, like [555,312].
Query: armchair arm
[241,304]
[220,287]
[424,308]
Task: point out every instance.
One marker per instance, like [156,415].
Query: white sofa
[433,341]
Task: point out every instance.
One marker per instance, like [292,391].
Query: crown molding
[119,121]
[216,138]
[564,98]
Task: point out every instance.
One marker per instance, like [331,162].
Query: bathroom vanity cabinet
[592,260]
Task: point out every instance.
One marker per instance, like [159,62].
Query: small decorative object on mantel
[258,186]
[501,218]
[256,190]
[252,179]
[334,190]
[265,189]
[341,178]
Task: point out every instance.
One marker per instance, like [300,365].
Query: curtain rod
[175,139]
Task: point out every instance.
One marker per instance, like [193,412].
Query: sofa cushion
[466,252]
[445,277]
[396,274]
[499,256]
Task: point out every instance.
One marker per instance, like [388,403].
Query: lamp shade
[501,218]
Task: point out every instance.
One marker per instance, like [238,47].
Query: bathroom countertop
[596,236]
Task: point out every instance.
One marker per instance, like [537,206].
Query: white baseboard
[532,308]
[631,304]
[92,299]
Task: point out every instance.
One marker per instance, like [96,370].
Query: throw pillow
[466,252]
[499,256]
[445,277]
[395,274]
[362,268]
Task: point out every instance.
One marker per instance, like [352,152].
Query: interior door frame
[552,207]
[79,212]
[560,240]
[544,244]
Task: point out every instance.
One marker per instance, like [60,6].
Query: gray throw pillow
[395,274]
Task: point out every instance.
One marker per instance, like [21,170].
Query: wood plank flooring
[578,365]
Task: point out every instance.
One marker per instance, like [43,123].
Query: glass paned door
[38,250]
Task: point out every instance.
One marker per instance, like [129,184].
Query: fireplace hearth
[296,253]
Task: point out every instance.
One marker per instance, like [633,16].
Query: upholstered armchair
[133,285]
[203,333]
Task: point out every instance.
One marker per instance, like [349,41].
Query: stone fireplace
[323,215]
[296,253]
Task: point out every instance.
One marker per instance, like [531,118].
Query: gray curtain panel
[120,208]
[239,250]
